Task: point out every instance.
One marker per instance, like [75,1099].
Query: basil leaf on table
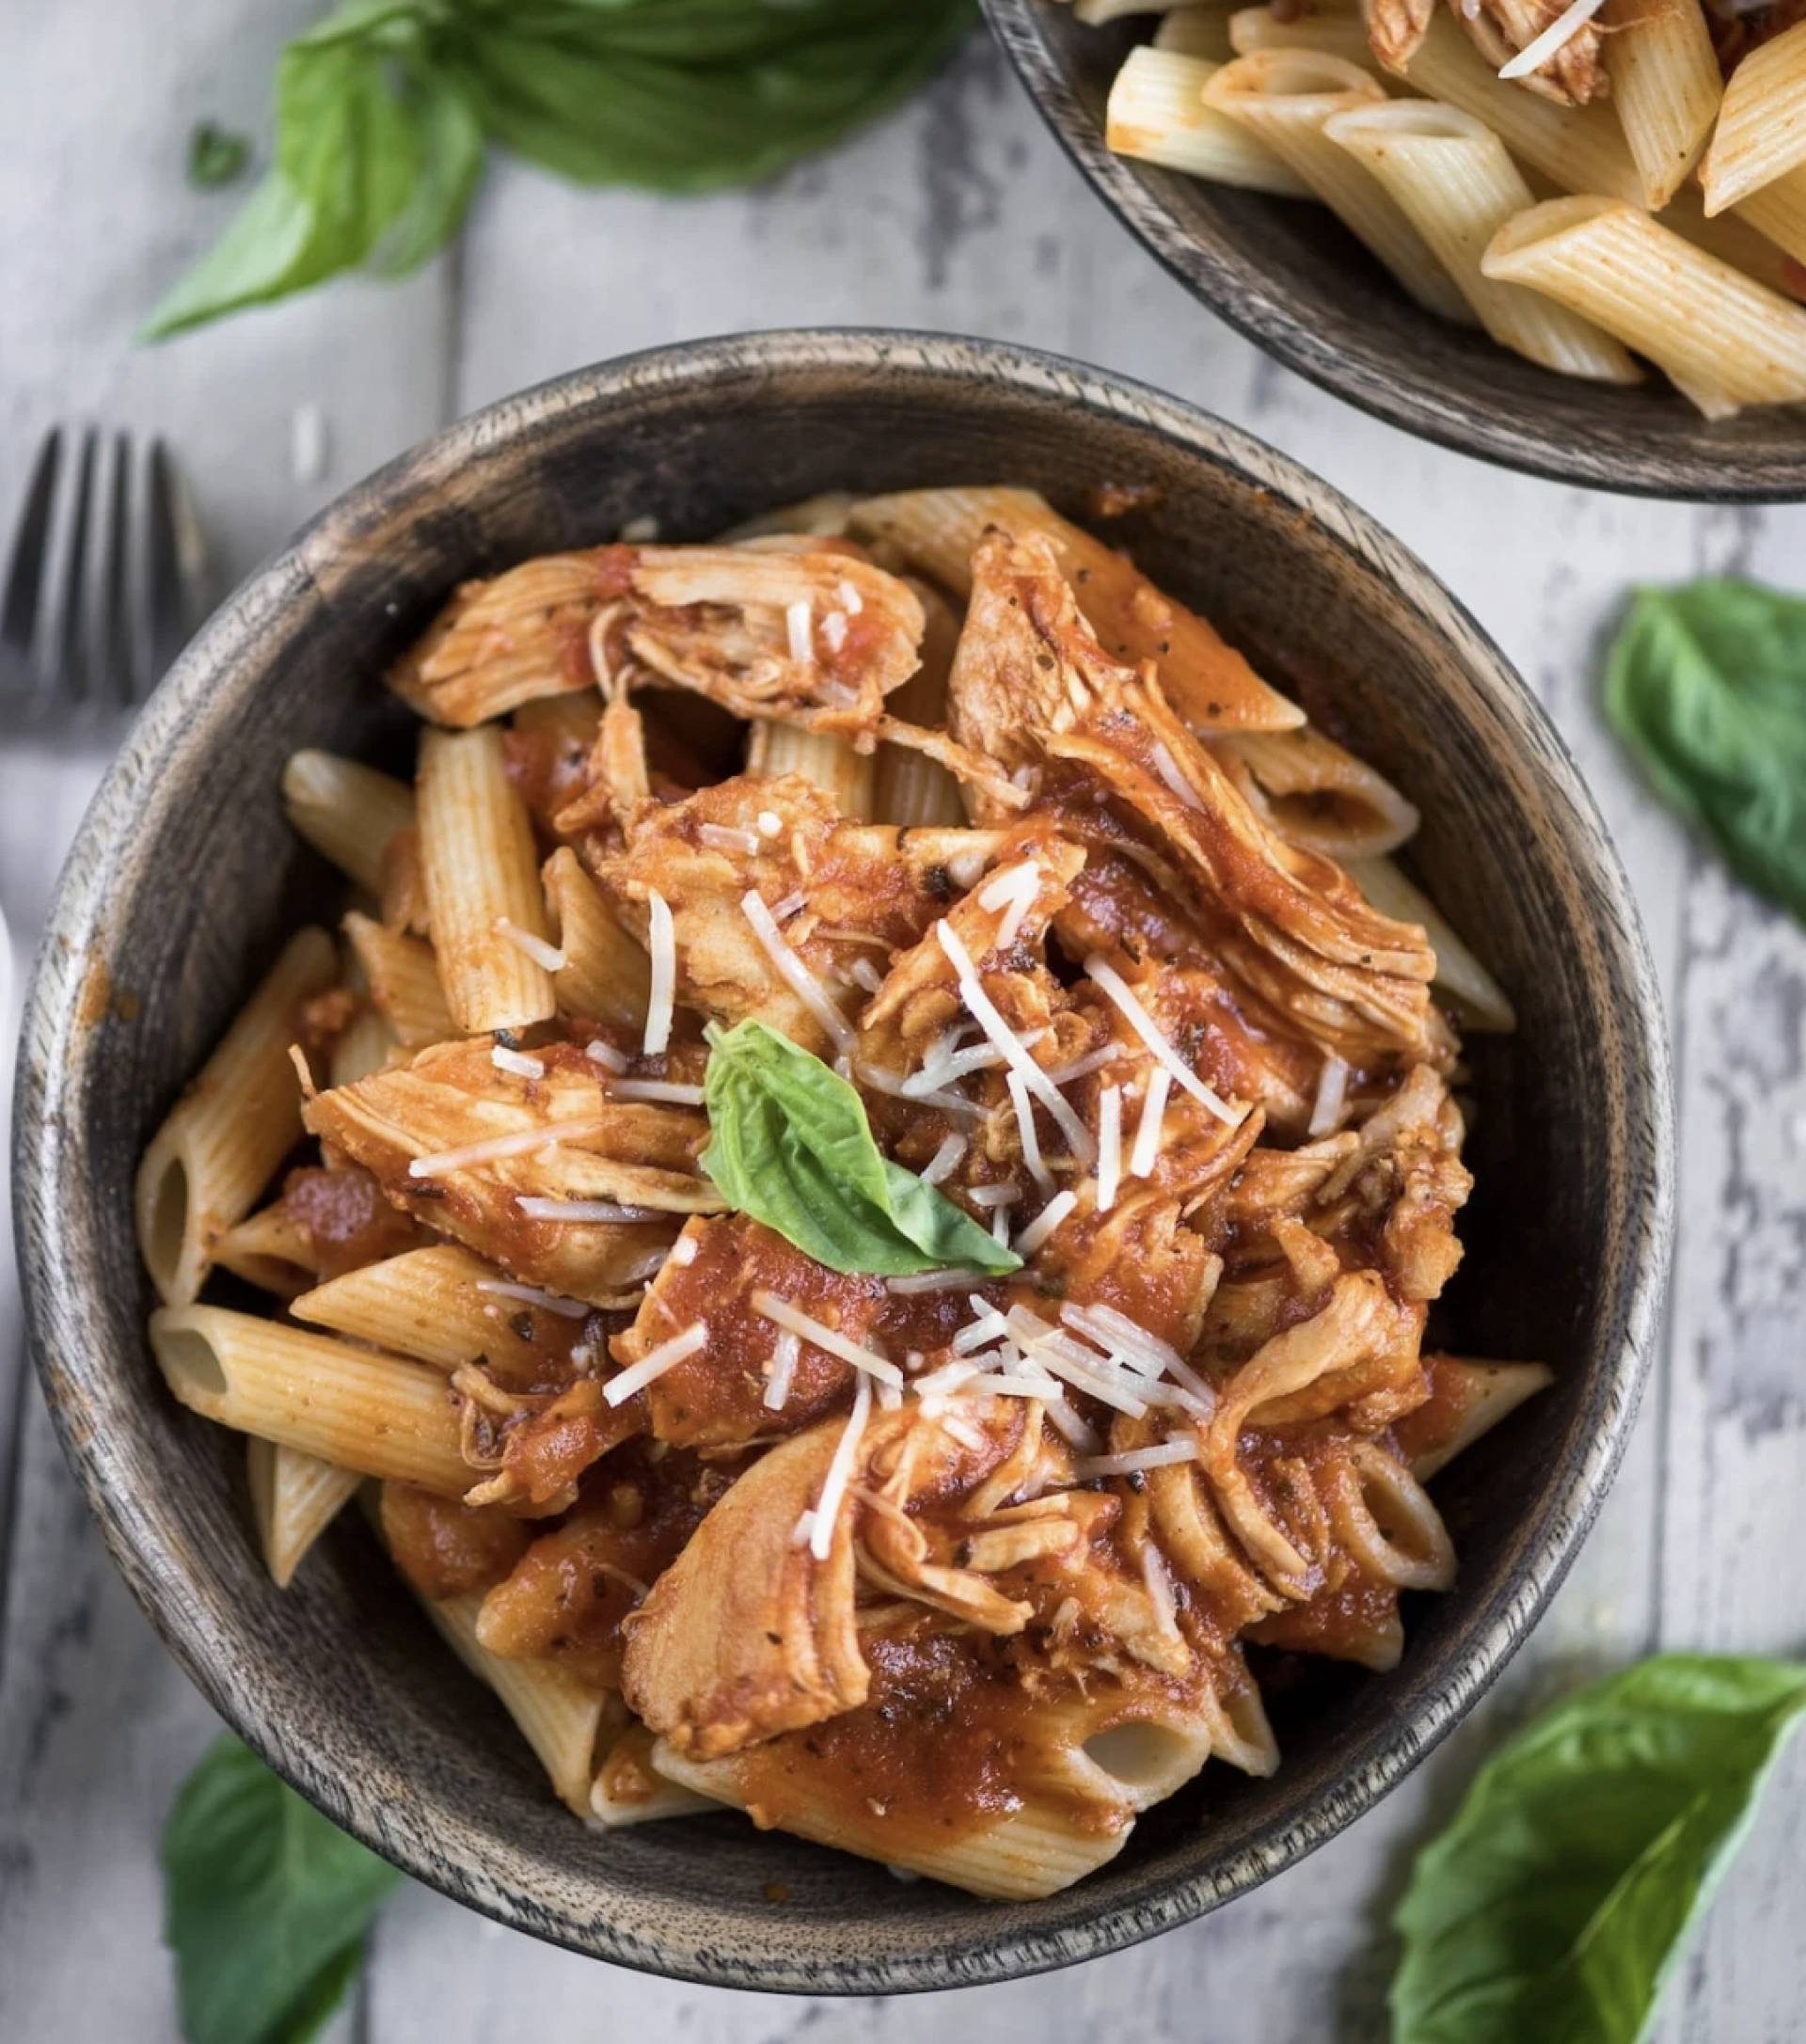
[1707,685]
[267,1904]
[215,155]
[384,109]
[790,1145]
[1556,1901]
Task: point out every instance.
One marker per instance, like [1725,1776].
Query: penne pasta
[347,811]
[823,517]
[483,888]
[346,1406]
[1778,212]
[909,787]
[271,1250]
[1721,335]
[431,1304]
[1453,180]
[227,1134]
[1343,36]
[1284,97]
[406,990]
[605,975]
[559,1718]
[295,1498]
[569,720]
[1095,12]
[1318,795]
[1761,134]
[827,763]
[1578,149]
[363,1046]
[1467,1399]
[1736,238]
[1667,86]
[1195,32]
[1206,681]
[1461,978]
[629,1789]
[1156,113]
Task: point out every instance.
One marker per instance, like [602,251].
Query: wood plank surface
[958,214]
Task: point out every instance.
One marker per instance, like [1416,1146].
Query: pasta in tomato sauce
[863,1318]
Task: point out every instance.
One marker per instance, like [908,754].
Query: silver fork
[107,577]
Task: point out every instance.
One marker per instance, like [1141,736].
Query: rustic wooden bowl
[185,875]
[1291,279]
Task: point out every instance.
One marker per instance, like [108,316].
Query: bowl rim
[51,1257]
[1228,285]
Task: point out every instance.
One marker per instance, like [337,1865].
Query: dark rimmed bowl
[1293,281]
[184,876]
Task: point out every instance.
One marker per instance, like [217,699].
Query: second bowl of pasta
[1569,239]
[803,1081]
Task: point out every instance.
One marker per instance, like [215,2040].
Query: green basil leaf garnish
[215,155]
[267,1904]
[790,1145]
[1707,685]
[1554,1905]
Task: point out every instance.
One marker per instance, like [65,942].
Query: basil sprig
[1556,1904]
[790,1145]
[1707,685]
[384,110]
[267,1904]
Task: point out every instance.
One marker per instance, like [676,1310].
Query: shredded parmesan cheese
[1168,769]
[984,1012]
[607,1056]
[770,823]
[1110,982]
[724,837]
[781,1313]
[1556,36]
[683,1251]
[1045,1222]
[820,1535]
[944,1161]
[1091,1061]
[907,1288]
[584,1209]
[1159,1457]
[850,599]
[532,1296]
[793,904]
[1031,1139]
[1332,1094]
[991,1325]
[881,1081]
[784,1368]
[994,1196]
[492,1147]
[1160,1588]
[667,1356]
[1013,891]
[1074,1430]
[544,955]
[1062,1358]
[1109,1146]
[668,1090]
[1153,1112]
[503,1059]
[662,934]
[862,972]
[797,624]
[833,630]
[793,973]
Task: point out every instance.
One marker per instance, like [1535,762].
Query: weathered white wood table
[957,213]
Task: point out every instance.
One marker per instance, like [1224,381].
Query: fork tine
[24,585]
[173,555]
[57,636]
[95,664]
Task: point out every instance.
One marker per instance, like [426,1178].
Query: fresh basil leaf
[1554,1905]
[1707,685]
[790,1145]
[450,137]
[215,155]
[266,1903]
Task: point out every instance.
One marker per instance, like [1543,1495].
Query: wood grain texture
[959,213]
[1291,278]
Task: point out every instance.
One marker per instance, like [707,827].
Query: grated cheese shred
[781,1313]
[795,973]
[654,1364]
[840,1470]
[549,958]
[493,1147]
[662,936]
[984,1012]
[1109,1146]
[1111,983]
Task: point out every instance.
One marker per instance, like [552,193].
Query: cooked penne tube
[1156,112]
[1777,211]
[559,1718]
[1578,149]
[571,720]
[1285,97]
[629,1789]
[1095,12]
[1252,29]
[371,1412]
[824,517]
[1319,795]
[225,1137]
[363,1046]
[482,889]
[1460,976]
[1666,83]
[272,1250]
[607,976]
[910,788]
[1721,337]
[1736,238]
[830,763]
[1453,180]
[347,811]
[1195,32]
[405,989]
[295,1498]
[1466,1400]
[1761,134]
[440,1306]
[1206,681]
